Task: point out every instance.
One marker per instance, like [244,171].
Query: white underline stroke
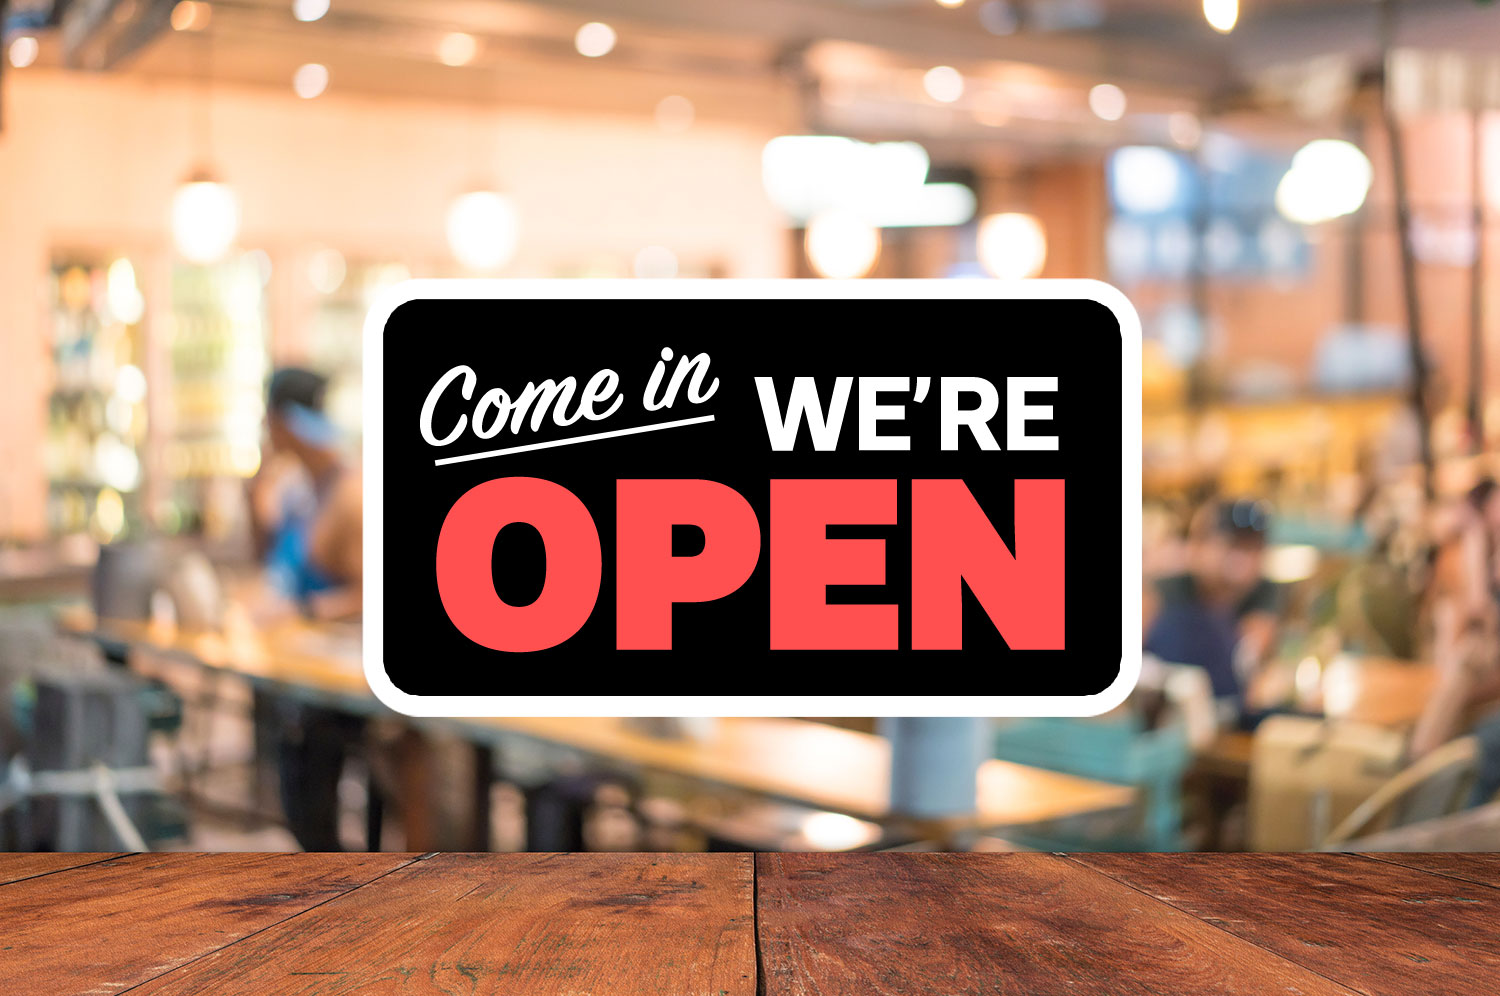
[591,437]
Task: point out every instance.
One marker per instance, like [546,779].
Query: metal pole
[1476,291]
[1408,260]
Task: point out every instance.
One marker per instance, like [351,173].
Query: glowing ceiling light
[1329,178]
[594,39]
[1107,101]
[483,230]
[1185,129]
[1222,15]
[326,270]
[457,49]
[1012,246]
[205,219]
[655,263]
[950,4]
[23,51]
[190,15]
[675,114]
[943,84]
[309,10]
[1145,179]
[883,183]
[310,80]
[841,245]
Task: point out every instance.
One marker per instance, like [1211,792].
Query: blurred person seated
[1219,614]
[1465,622]
[307,504]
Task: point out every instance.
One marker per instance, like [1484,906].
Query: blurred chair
[1469,831]
[74,767]
[1438,784]
[1307,775]
[1115,748]
[124,578]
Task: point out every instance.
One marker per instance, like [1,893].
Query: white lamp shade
[205,220]
[1329,178]
[483,230]
[841,245]
[1012,246]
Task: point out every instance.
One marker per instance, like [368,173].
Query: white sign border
[494,706]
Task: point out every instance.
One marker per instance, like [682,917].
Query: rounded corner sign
[615,498]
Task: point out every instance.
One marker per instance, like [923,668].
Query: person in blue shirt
[1220,614]
[306,507]
[307,504]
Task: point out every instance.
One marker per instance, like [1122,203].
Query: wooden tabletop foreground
[742,925]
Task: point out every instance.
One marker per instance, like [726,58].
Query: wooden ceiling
[852,66]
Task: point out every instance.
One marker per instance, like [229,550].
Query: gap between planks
[1072,858]
[84,860]
[754,867]
[1419,861]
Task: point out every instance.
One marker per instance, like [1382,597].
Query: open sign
[752,498]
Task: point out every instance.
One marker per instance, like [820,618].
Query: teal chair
[1119,750]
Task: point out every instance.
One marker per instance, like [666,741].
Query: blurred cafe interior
[198,200]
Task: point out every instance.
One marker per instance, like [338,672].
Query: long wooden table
[786,759]
[742,925]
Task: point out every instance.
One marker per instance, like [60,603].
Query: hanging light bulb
[205,218]
[309,10]
[1222,15]
[483,229]
[841,245]
[1328,179]
[1108,102]
[1012,246]
[23,51]
[594,39]
[943,84]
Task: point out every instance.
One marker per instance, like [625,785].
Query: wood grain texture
[1380,928]
[1483,869]
[17,867]
[996,924]
[518,924]
[105,927]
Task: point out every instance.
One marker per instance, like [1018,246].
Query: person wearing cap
[1219,613]
[307,504]
[307,523]
[309,509]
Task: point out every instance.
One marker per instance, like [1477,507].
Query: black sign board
[730,498]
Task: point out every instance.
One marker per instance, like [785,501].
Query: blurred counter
[787,759]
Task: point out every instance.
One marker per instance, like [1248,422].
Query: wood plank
[105,927]
[479,924]
[1482,869]
[16,867]
[996,924]
[1376,927]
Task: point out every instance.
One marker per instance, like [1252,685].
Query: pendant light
[205,211]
